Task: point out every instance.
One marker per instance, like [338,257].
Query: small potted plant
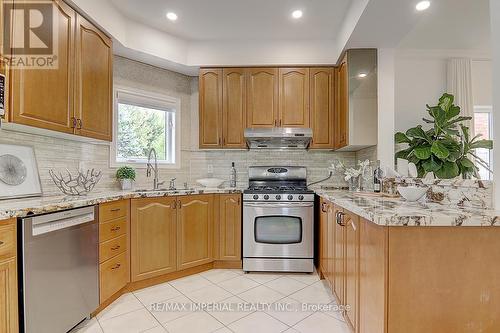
[126,175]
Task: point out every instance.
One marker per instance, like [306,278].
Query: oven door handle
[278,205]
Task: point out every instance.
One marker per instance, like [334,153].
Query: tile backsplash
[56,153]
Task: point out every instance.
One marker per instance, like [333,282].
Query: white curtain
[460,85]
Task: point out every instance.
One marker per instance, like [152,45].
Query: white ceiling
[451,24]
[223,20]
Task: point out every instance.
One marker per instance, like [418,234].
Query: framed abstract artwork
[19,177]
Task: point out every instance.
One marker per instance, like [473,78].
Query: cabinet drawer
[113,276]
[112,247]
[7,241]
[113,210]
[112,229]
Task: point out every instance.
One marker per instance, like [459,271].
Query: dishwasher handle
[44,224]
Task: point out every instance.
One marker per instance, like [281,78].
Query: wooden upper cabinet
[342,111]
[153,237]
[194,230]
[210,108]
[234,107]
[262,97]
[230,227]
[94,82]
[322,105]
[293,97]
[44,97]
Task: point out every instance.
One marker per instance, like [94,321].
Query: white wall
[482,82]
[420,79]
[495,38]
[386,107]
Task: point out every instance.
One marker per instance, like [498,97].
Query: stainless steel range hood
[278,138]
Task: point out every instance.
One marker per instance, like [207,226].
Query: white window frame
[151,100]
[489,110]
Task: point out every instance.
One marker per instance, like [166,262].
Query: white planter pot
[126,184]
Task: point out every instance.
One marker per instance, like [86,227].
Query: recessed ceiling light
[172,16]
[423,5]
[296,14]
[362,75]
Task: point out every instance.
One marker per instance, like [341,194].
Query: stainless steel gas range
[278,220]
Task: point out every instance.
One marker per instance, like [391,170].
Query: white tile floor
[254,303]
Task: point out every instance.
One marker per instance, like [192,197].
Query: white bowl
[210,182]
[412,193]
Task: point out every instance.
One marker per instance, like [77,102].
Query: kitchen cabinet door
[230,227]
[331,244]
[210,87]
[94,82]
[322,101]
[44,98]
[352,231]
[194,230]
[342,111]
[339,257]
[262,97]
[8,296]
[293,97]
[323,238]
[153,237]
[234,108]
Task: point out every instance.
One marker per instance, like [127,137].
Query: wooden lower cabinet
[352,231]
[153,237]
[230,221]
[339,257]
[323,238]
[414,279]
[9,320]
[194,230]
[114,275]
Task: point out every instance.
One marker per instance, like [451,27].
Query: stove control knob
[278,197]
[266,197]
[256,197]
[301,197]
[290,197]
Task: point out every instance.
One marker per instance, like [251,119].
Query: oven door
[278,230]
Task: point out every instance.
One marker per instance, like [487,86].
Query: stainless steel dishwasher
[59,270]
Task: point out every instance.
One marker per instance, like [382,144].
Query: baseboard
[168,277]
[230,264]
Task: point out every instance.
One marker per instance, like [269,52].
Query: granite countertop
[48,204]
[380,210]
[397,212]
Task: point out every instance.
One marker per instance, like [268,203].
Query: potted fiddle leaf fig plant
[125,175]
[446,148]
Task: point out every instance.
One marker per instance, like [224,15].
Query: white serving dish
[210,182]
[412,193]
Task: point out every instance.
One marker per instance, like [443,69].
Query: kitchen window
[483,126]
[145,120]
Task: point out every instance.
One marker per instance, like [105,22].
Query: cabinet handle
[79,124]
[115,248]
[1,243]
[174,204]
[116,209]
[340,219]
[180,204]
[73,122]
[115,228]
[116,266]
[323,207]
[279,123]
